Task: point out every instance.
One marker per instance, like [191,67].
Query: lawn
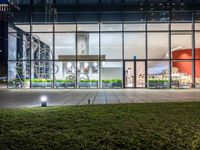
[126,126]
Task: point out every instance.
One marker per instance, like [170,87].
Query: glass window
[88,44]
[158,45]
[181,45]
[197,73]
[19,74]
[88,74]
[42,28]
[111,46]
[21,2]
[181,74]
[181,26]
[197,21]
[65,74]
[21,17]
[111,74]
[157,26]
[65,17]
[87,17]
[18,46]
[12,46]
[65,27]
[134,21]
[157,21]
[65,46]
[23,27]
[88,27]
[111,27]
[134,26]
[181,17]
[42,46]
[111,17]
[42,17]
[162,16]
[134,46]
[197,26]
[158,74]
[42,74]
[197,45]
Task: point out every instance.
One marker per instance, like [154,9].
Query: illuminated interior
[105,54]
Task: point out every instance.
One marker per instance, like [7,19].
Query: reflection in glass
[111,74]
[181,74]
[134,46]
[88,44]
[42,74]
[65,46]
[18,74]
[111,45]
[158,74]
[88,27]
[88,74]
[65,74]
[197,75]
[42,46]
[197,45]
[18,46]
[158,45]
[181,44]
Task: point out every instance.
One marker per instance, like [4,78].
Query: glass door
[135,74]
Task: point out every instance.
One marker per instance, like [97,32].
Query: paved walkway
[57,97]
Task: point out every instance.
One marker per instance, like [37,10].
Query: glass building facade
[104,44]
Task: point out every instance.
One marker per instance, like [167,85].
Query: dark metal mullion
[193,51]
[146,51]
[135,73]
[123,70]
[76,34]
[100,69]
[31,47]
[53,57]
[170,57]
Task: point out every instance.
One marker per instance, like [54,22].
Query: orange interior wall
[184,66]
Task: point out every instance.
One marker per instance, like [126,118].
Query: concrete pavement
[58,97]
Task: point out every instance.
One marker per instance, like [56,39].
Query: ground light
[43,101]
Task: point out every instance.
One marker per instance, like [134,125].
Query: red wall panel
[184,66]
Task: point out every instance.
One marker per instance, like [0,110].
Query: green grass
[127,126]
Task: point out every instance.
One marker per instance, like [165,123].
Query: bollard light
[43,101]
[88,101]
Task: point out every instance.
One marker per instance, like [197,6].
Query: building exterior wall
[103,44]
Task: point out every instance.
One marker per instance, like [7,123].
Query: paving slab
[58,97]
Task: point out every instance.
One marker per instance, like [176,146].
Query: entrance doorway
[135,74]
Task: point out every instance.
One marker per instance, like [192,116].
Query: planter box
[42,84]
[111,85]
[117,85]
[93,84]
[106,85]
[83,84]
[158,84]
[65,84]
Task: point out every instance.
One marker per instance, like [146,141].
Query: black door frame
[135,73]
